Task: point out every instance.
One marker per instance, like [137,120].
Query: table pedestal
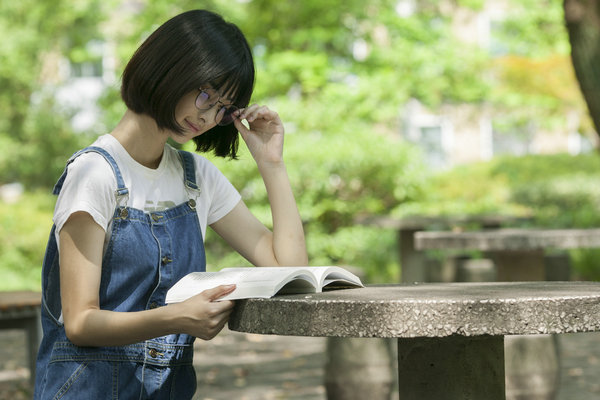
[532,363]
[519,266]
[413,261]
[359,368]
[454,367]
[532,367]
[450,336]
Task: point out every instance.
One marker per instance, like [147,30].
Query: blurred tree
[583,23]
[33,134]
[535,85]
[338,72]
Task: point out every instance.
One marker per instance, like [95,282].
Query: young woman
[132,213]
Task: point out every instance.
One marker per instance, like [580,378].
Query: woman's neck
[142,138]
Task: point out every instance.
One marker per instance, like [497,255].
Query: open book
[264,282]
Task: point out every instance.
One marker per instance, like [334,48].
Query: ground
[259,367]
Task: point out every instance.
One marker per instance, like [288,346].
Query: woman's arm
[81,241]
[285,245]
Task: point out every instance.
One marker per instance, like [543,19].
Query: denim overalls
[146,255]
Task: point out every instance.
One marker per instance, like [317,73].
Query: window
[431,133]
[514,140]
[432,144]
[88,63]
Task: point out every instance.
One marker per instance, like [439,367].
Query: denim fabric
[146,255]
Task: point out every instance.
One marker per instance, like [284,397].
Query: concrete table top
[427,310]
[450,336]
[509,239]
[19,303]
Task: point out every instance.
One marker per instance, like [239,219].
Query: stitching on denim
[115,381]
[179,354]
[72,379]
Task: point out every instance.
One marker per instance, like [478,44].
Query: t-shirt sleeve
[223,196]
[89,187]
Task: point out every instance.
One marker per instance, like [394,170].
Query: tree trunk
[582,18]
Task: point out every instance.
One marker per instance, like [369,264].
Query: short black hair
[192,49]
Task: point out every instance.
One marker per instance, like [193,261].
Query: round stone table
[21,310]
[450,335]
[518,255]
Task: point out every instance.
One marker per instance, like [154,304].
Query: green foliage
[341,110]
[292,68]
[37,157]
[559,191]
[532,74]
[24,229]
[528,32]
[35,135]
[560,188]
[337,176]
[464,190]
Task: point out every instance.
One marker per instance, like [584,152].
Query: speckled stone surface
[509,239]
[427,310]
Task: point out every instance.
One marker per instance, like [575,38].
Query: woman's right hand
[204,317]
[81,241]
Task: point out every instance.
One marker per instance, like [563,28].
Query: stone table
[517,253]
[412,259]
[21,310]
[450,335]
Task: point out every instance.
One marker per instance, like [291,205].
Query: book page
[251,282]
[263,282]
[335,276]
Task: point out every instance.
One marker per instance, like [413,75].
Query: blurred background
[391,107]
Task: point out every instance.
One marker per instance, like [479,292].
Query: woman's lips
[192,126]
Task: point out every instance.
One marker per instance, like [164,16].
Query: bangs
[236,85]
[191,49]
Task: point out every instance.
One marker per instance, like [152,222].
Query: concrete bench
[450,335]
[21,310]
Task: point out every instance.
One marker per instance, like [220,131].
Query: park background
[391,107]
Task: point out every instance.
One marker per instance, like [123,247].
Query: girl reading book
[132,213]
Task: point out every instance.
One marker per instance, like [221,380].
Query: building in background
[458,134]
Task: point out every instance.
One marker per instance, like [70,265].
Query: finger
[261,113]
[216,329]
[223,308]
[255,112]
[239,125]
[218,292]
[246,111]
[222,323]
[242,129]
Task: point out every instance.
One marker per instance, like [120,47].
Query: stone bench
[450,335]
[21,310]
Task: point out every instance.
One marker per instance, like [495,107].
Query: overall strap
[121,189]
[189,169]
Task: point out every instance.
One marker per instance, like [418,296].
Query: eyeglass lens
[224,115]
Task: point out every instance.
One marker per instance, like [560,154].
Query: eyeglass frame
[228,110]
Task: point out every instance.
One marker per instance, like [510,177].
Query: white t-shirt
[90,186]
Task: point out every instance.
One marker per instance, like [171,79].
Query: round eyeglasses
[225,114]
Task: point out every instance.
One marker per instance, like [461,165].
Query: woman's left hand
[264,137]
